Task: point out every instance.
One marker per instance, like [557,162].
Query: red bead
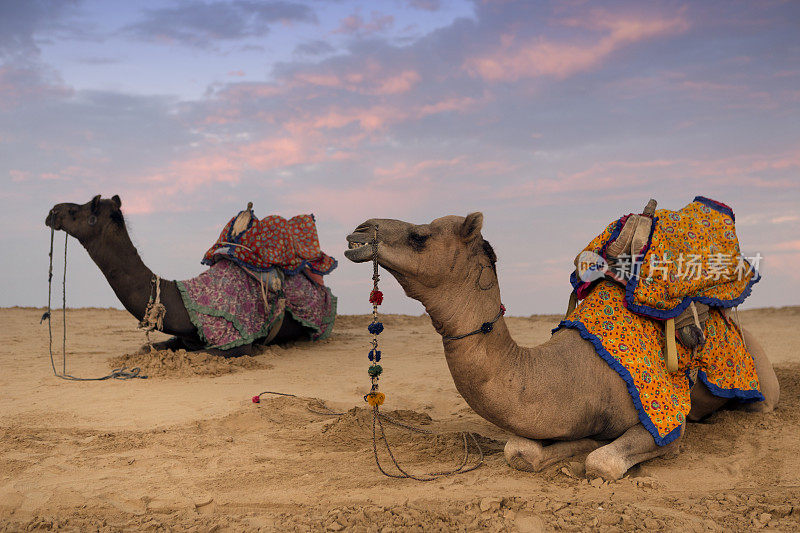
[256,399]
[376,297]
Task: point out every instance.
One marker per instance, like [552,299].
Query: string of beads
[375,398]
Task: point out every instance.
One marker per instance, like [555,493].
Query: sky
[553,118]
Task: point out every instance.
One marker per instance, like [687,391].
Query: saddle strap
[672,348]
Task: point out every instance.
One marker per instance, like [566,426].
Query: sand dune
[186,449]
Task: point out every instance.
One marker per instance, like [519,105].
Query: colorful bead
[375,328]
[256,399]
[375,398]
[375,370]
[376,297]
[486,327]
[502,309]
[374,355]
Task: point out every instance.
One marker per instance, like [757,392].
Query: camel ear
[117,201]
[471,229]
[95,203]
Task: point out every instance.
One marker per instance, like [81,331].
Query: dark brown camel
[100,227]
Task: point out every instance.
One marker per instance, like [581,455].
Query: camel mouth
[358,248]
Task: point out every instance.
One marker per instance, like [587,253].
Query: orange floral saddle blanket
[633,346]
[689,255]
[272,242]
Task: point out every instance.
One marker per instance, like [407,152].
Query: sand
[187,449]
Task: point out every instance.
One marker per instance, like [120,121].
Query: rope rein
[154,313]
[376,399]
[117,373]
[377,424]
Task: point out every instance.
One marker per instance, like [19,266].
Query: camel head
[88,221]
[441,255]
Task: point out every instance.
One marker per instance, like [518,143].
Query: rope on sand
[378,419]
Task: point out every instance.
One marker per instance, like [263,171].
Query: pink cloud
[316,78]
[402,171]
[20,85]
[782,264]
[611,177]
[355,24]
[18,176]
[517,59]
[785,246]
[372,79]
[336,203]
[215,165]
[401,83]
[454,103]
[226,103]
[693,86]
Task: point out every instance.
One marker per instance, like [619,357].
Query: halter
[118,373]
[485,328]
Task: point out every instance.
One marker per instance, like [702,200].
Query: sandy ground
[187,449]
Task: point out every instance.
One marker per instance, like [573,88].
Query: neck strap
[485,328]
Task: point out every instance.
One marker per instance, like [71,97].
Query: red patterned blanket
[260,245]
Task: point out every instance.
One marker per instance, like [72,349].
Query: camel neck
[120,263]
[479,359]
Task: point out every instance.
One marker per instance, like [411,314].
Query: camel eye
[417,241]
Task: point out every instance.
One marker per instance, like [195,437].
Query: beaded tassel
[375,398]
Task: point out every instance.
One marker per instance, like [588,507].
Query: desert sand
[187,449]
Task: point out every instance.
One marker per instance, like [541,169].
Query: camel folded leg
[704,403]
[632,447]
[767,379]
[531,456]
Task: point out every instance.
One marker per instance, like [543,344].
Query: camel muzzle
[53,220]
[359,249]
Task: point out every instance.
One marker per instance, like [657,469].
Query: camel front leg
[632,447]
[531,456]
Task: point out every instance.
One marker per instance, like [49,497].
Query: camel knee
[524,454]
[632,447]
[606,464]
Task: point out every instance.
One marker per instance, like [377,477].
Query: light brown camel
[100,227]
[559,399]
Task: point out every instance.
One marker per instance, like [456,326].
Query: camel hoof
[523,454]
[601,463]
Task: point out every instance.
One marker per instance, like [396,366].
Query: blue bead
[375,328]
[486,327]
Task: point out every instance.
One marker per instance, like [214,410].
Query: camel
[99,226]
[558,399]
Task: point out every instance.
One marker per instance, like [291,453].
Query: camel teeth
[354,245]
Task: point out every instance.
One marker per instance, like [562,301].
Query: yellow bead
[375,398]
